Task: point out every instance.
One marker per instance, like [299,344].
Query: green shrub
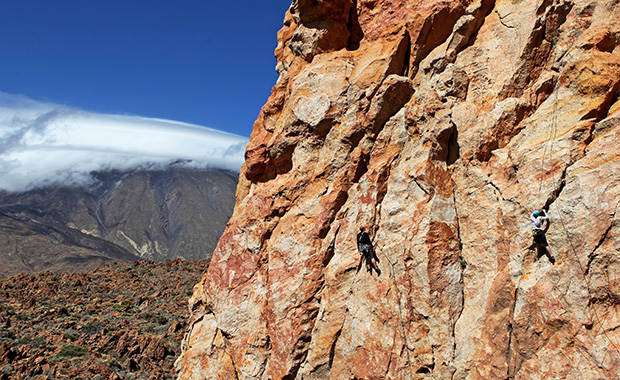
[72,351]
[7,335]
[147,315]
[7,369]
[72,336]
[21,317]
[110,362]
[159,319]
[93,327]
[35,341]
[6,308]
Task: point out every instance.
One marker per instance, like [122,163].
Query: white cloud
[44,143]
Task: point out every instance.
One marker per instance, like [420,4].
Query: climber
[538,218]
[364,246]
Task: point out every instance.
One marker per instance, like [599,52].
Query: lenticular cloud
[43,144]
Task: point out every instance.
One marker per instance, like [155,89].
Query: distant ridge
[140,214]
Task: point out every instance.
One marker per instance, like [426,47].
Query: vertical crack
[555,194]
[226,337]
[601,240]
[537,49]
[356,34]
[510,364]
[463,266]
[407,58]
[453,147]
[400,311]
[332,349]
[463,34]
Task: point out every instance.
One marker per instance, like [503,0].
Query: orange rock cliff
[440,126]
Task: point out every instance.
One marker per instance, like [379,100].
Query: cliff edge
[440,126]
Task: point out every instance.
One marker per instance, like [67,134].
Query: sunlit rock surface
[440,125]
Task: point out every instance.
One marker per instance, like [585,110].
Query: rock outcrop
[440,125]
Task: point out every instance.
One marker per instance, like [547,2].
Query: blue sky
[208,63]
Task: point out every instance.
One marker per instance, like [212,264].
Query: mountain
[133,215]
[440,126]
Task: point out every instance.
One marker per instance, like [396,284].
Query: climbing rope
[593,315]
[400,311]
[398,294]
[552,137]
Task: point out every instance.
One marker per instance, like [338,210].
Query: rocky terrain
[133,215]
[120,321]
[440,126]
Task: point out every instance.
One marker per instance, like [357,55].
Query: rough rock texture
[440,125]
[119,321]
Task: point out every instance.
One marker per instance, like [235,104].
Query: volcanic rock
[440,126]
[91,325]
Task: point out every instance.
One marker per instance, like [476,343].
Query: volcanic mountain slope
[440,125]
[119,321]
[126,216]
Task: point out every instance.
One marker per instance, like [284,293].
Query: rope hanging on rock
[553,135]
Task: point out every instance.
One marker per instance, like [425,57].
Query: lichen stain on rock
[440,126]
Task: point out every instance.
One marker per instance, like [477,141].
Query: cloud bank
[44,143]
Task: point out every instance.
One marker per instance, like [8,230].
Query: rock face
[124,216]
[440,125]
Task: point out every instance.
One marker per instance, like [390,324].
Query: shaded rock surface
[120,321]
[123,216]
[440,125]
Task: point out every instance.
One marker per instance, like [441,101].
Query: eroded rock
[447,123]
